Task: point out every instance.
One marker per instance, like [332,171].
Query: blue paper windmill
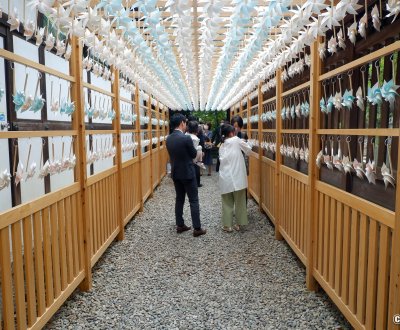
[37,104]
[389,92]
[19,100]
[374,95]
[348,99]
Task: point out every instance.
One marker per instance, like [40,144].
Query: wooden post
[78,123]
[139,174]
[118,156]
[158,141]
[394,288]
[260,152]
[150,132]
[311,230]
[279,88]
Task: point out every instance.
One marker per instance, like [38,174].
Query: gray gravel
[157,279]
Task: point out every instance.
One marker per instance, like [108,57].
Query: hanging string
[29,155]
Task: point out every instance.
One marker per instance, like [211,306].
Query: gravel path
[157,279]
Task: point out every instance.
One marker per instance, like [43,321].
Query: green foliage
[213,117]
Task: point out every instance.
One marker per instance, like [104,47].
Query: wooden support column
[158,141]
[118,156]
[260,151]
[394,288]
[311,228]
[279,88]
[150,132]
[139,149]
[78,123]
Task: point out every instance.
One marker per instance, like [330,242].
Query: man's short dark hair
[193,127]
[176,120]
[237,119]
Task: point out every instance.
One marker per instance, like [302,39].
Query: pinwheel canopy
[196,54]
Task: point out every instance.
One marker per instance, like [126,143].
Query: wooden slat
[100,176]
[346,254]
[39,271]
[68,237]
[332,243]
[339,248]
[362,268]
[100,131]
[75,242]
[19,283]
[353,260]
[372,275]
[360,131]
[295,174]
[321,222]
[55,251]
[296,89]
[383,279]
[43,68]
[6,280]
[48,264]
[80,235]
[326,238]
[29,270]
[97,89]
[31,134]
[63,245]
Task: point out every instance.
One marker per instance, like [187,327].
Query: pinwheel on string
[348,97]
[376,20]
[347,160]
[30,169]
[389,89]
[352,33]
[38,101]
[358,166]
[13,19]
[18,169]
[322,102]
[55,104]
[370,167]
[362,25]
[43,6]
[5,179]
[44,170]
[337,159]
[29,25]
[39,35]
[386,172]
[67,107]
[19,96]
[374,93]
[1,93]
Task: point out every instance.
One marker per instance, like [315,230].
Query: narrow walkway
[156,279]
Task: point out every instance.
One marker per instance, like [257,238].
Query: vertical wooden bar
[346,255]
[68,237]
[19,283]
[150,132]
[311,228]
[278,188]
[339,248]
[139,149]
[55,251]
[326,237]
[78,123]
[372,275]
[39,276]
[63,247]
[353,261]
[383,279]
[260,150]
[362,268]
[6,279]
[118,156]
[158,143]
[48,265]
[75,241]
[29,270]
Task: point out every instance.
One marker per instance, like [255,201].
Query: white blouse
[232,168]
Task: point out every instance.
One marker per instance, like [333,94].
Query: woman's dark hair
[237,119]
[193,127]
[176,120]
[226,130]
[209,126]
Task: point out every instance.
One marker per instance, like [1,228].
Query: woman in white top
[233,179]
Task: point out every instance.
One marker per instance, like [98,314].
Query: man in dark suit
[181,153]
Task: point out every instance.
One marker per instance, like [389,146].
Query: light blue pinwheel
[283,113]
[110,6]
[1,93]
[89,111]
[19,100]
[69,108]
[305,109]
[37,104]
[348,99]
[322,105]
[329,104]
[389,92]
[293,112]
[111,114]
[374,95]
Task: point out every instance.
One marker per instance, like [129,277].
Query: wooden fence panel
[146,176]
[254,178]
[268,188]
[155,167]
[130,190]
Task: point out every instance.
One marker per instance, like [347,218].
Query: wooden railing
[349,245]
[48,246]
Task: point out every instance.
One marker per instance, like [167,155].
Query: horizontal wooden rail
[295,131]
[130,131]
[269,161]
[123,99]
[362,60]
[130,162]
[32,134]
[24,210]
[97,89]
[270,100]
[100,176]
[269,130]
[295,174]
[361,131]
[40,67]
[296,89]
[379,213]
[100,131]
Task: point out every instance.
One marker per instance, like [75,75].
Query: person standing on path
[181,153]
[233,179]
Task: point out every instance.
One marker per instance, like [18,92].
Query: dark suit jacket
[181,153]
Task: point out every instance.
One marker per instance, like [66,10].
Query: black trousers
[189,187]
[197,170]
